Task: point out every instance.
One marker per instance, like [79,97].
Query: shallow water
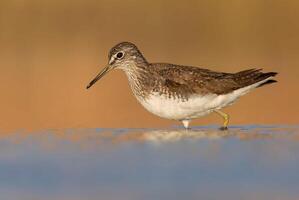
[244,163]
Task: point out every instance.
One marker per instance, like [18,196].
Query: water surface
[246,162]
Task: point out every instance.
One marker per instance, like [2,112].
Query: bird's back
[184,81]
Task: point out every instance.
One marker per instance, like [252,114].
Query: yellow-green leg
[225,117]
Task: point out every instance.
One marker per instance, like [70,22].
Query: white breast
[195,106]
[171,108]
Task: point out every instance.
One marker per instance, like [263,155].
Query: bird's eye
[119,55]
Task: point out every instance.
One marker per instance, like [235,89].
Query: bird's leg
[225,117]
[186,123]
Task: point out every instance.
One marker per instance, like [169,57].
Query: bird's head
[124,55]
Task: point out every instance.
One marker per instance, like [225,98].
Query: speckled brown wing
[188,80]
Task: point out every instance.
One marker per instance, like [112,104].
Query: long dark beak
[99,76]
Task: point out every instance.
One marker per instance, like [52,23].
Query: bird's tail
[252,76]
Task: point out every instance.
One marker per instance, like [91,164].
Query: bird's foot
[223,128]
[186,123]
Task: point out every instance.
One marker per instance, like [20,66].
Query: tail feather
[270,81]
[248,71]
[252,76]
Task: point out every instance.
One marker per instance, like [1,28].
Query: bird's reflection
[116,136]
[175,135]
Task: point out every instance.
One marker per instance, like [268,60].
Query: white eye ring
[119,55]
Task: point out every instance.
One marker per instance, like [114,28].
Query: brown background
[50,50]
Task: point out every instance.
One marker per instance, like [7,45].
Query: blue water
[244,163]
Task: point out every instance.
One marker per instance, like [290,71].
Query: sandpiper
[181,92]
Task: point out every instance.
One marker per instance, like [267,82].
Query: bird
[180,92]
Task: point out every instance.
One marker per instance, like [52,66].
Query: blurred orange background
[50,50]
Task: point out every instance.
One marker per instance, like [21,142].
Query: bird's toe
[223,128]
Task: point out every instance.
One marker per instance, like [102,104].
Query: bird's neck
[139,77]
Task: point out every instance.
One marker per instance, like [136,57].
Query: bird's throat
[138,77]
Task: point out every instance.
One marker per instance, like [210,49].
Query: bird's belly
[178,109]
[196,106]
